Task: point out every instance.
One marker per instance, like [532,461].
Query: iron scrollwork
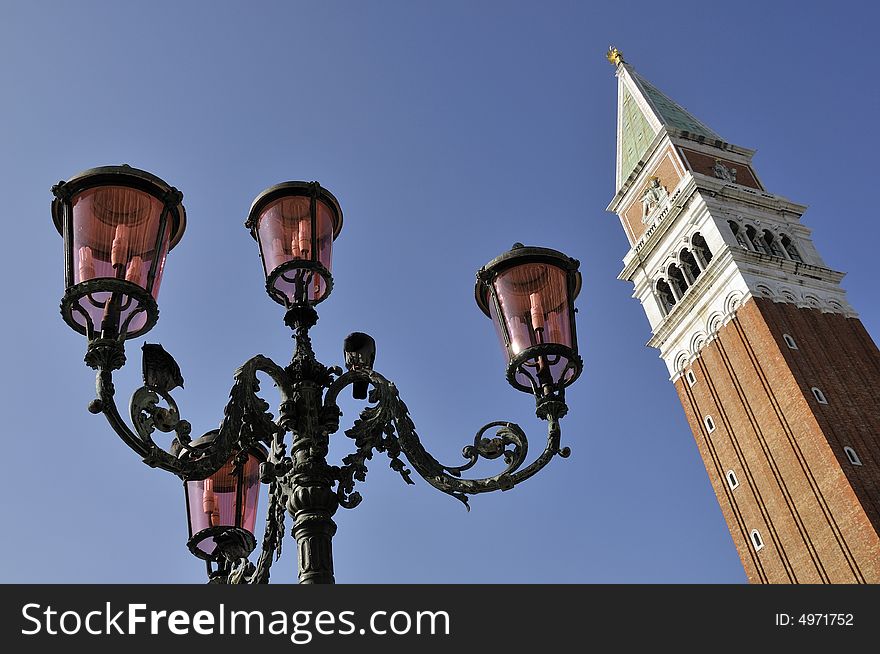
[300,480]
[246,418]
[386,426]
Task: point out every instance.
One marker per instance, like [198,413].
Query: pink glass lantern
[529,293]
[222,509]
[118,224]
[295,224]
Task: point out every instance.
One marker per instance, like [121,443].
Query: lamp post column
[311,501]
[312,506]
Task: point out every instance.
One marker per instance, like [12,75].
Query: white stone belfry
[714,237]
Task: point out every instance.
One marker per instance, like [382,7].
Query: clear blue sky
[447,131]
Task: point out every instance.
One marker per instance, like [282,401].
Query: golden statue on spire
[614,55]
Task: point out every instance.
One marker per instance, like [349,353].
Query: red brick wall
[703,163]
[669,176]
[818,515]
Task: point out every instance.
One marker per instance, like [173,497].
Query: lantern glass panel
[285,233]
[115,234]
[228,498]
[535,306]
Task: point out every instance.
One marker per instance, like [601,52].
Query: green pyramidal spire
[635,133]
[643,112]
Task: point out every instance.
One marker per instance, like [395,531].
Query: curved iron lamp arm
[246,419]
[386,426]
[301,482]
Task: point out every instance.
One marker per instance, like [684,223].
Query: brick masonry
[817,513]
[705,164]
[669,175]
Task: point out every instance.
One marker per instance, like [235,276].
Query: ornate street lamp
[295,224]
[529,294]
[222,509]
[118,225]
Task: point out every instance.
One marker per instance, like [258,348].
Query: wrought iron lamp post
[118,224]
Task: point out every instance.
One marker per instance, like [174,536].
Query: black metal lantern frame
[232,541]
[486,292]
[62,214]
[301,481]
[297,270]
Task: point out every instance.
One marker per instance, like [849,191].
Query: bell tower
[778,378]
